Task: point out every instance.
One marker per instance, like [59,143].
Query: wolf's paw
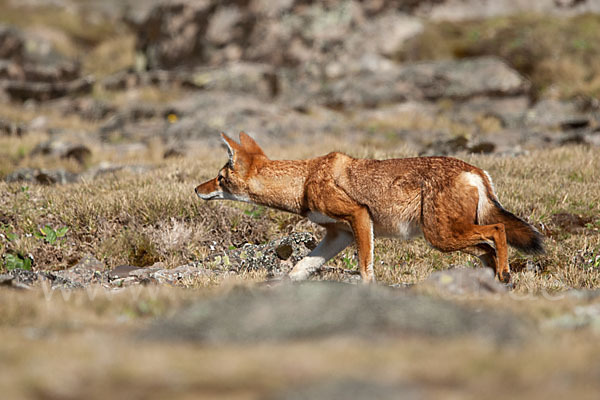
[504,276]
[300,275]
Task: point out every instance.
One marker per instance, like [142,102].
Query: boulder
[313,310]
[550,113]
[31,68]
[173,33]
[465,78]
[387,83]
[205,114]
[282,33]
[464,10]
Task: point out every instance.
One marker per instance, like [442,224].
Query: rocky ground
[110,114]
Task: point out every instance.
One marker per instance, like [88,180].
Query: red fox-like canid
[451,203]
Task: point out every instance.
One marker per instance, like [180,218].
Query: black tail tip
[536,244]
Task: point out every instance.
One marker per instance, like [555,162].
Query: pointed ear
[232,148]
[249,144]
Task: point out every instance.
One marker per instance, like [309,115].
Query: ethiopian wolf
[451,203]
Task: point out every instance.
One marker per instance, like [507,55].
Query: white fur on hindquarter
[476,181]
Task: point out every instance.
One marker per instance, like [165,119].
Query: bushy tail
[519,233]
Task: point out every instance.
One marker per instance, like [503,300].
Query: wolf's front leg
[362,226]
[334,241]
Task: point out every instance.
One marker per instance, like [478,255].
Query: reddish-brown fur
[438,196]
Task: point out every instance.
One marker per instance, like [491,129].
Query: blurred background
[110,114]
[96,81]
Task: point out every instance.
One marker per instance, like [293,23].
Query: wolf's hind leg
[485,253]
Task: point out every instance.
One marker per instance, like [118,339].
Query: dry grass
[110,56]
[83,26]
[141,219]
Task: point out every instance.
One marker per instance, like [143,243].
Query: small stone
[79,153]
[122,271]
[6,279]
[483,148]
[461,281]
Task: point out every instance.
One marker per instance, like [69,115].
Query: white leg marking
[329,247]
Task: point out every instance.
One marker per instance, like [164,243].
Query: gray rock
[446,146]
[121,271]
[19,278]
[145,273]
[11,128]
[351,389]
[6,279]
[277,257]
[464,281]
[510,111]
[385,33]
[173,33]
[206,114]
[64,71]
[454,79]
[43,177]
[257,79]
[58,148]
[592,137]
[226,25]
[87,271]
[12,43]
[464,10]
[28,90]
[583,316]
[466,78]
[324,309]
[87,108]
[553,113]
[288,32]
[181,275]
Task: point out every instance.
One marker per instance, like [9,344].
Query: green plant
[256,212]
[14,261]
[349,262]
[6,230]
[50,235]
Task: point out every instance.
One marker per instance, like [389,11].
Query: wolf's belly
[404,230]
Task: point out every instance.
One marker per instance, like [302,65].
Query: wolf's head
[231,183]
